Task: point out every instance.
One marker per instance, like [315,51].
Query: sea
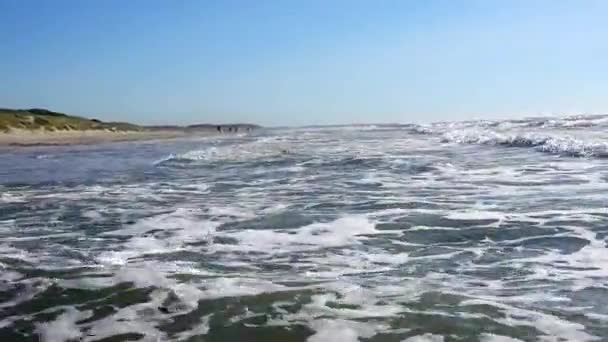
[492,231]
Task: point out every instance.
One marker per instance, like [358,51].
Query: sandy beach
[36,138]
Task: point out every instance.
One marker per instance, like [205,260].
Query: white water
[468,230]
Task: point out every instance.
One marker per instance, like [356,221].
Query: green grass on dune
[42,119]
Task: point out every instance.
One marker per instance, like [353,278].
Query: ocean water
[471,231]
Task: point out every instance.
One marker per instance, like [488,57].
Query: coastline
[43,127]
[17,137]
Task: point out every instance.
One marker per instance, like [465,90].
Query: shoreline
[26,138]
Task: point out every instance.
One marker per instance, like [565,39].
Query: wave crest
[567,145]
[261,148]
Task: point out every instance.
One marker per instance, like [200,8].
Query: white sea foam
[563,145]
[579,121]
[259,148]
[63,328]
[476,215]
[93,215]
[497,338]
[233,287]
[340,330]
[7,197]
[553,327]
[7,275]
[130,319]
[341,232]
[201,328]
[424,338]
[182,225]
[366,302]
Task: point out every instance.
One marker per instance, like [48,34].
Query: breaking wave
[575,136]
[568,146]
[240,151]
[567,123]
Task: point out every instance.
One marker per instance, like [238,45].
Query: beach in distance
[30,127]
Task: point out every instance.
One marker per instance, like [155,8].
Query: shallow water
[476,231]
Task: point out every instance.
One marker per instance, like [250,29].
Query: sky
[292,62]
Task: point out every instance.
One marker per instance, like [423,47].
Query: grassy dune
[46,120]
[32,127]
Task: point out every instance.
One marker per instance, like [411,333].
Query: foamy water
[475,231]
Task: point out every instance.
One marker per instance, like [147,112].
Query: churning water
[474,231]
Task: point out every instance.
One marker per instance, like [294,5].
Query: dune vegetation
[46,120]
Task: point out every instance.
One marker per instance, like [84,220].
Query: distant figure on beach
[219,129]
[229,129]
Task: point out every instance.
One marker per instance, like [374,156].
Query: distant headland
[45,127]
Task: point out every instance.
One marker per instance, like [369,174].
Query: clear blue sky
[304,62]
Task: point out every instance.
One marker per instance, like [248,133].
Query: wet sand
[38,138]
